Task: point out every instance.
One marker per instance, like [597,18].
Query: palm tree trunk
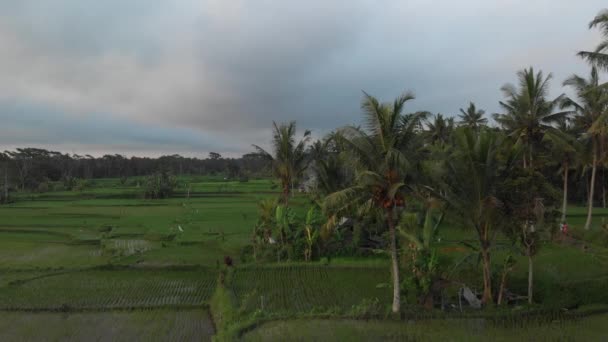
[487,274]
[565,200]
[591,188]
[395,262]
[530,277]
[6,183]
[503,283]
[604,188]
[285,195]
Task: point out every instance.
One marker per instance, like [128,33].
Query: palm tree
[289,159]
[439,129]
[328,167]
[567,150]
[381,166]
[5,159]
[599,56]
[472,117]
[592,110]
[529,115]
[472,179]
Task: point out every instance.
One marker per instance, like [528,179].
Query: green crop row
[110,289]
[302,289]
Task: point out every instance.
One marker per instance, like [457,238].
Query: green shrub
[43,187]
[161,184]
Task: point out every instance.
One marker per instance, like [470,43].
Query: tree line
[27,169]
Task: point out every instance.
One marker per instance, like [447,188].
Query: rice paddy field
[587,329]
[143,325]
[105,264]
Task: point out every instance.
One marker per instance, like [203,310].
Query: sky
[155,77]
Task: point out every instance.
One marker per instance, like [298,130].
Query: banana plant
[420,233]
[313,220]
[285,219]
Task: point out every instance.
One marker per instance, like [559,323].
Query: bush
[160,185]
[123,180]
[69,182]
[81,184]
[43,187]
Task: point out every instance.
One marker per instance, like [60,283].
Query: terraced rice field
[128,326]
[304,288]
[586,329]
[129,288]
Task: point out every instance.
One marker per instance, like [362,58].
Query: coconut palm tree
[328,168]
[529,115]
[472,180]
[381,167]
[592,117]
[439,129]
[472,117]
[599,56]
[567,151]
[289,158]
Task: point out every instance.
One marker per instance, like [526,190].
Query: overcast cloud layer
[161,77]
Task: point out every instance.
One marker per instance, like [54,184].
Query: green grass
[148,325]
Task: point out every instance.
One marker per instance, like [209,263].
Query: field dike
[223,310]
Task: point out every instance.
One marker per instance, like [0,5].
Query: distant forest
[27,168]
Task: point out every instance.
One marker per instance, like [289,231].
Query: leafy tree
[214,156]
[591,107]
[381,166]
[160,185]
[529,115]
[289,159]
[4,191]
[599,56]
[472,117]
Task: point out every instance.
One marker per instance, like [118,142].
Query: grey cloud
[226,69]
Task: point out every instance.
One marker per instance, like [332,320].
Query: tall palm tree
[289,158]
[529,115]
[381,166]
[592,118]
[472,117]
[599,56]
[472,180]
